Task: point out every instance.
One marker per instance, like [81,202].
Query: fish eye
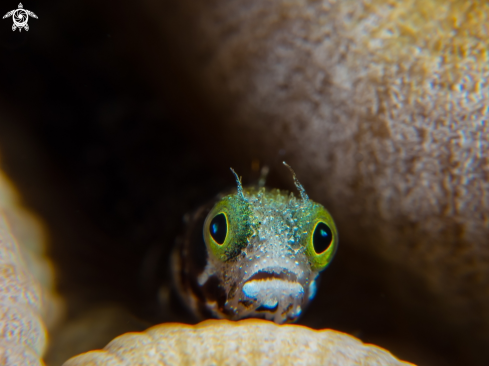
[227,227]
[322,238]
[219,228]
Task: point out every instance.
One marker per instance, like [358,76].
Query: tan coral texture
[28,303]
[22,332]
[247,342]
[382,107]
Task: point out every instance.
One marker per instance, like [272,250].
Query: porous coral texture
[23,335]
[247,342]
[382,107]
[24,273]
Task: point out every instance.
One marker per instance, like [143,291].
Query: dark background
[110,143]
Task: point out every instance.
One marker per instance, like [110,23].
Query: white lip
[271,290]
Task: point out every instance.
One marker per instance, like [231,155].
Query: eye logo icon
[20,17]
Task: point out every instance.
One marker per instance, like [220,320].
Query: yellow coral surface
[247,342]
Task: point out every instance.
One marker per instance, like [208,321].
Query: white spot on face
[251,289]
[270,291]
[270,303]
[312,290]
[298,311]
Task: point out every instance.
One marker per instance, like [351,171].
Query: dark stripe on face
[193,257]
[265,275]
[213,291]
[193,254]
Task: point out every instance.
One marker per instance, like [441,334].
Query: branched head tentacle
[299,186]
[240,187]
[264,249]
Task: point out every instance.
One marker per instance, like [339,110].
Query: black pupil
[219,228]
[322,237]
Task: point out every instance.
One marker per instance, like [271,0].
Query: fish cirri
[256,252]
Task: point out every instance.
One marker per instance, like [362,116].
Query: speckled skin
[271,277]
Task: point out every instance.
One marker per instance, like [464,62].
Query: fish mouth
[268,274]
[275,295]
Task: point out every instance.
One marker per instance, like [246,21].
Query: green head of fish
[266,248]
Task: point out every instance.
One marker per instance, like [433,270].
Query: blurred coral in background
[117,118]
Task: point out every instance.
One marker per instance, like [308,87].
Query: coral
[22,303]
[246,342]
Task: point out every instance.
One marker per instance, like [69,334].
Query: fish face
[261,253]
